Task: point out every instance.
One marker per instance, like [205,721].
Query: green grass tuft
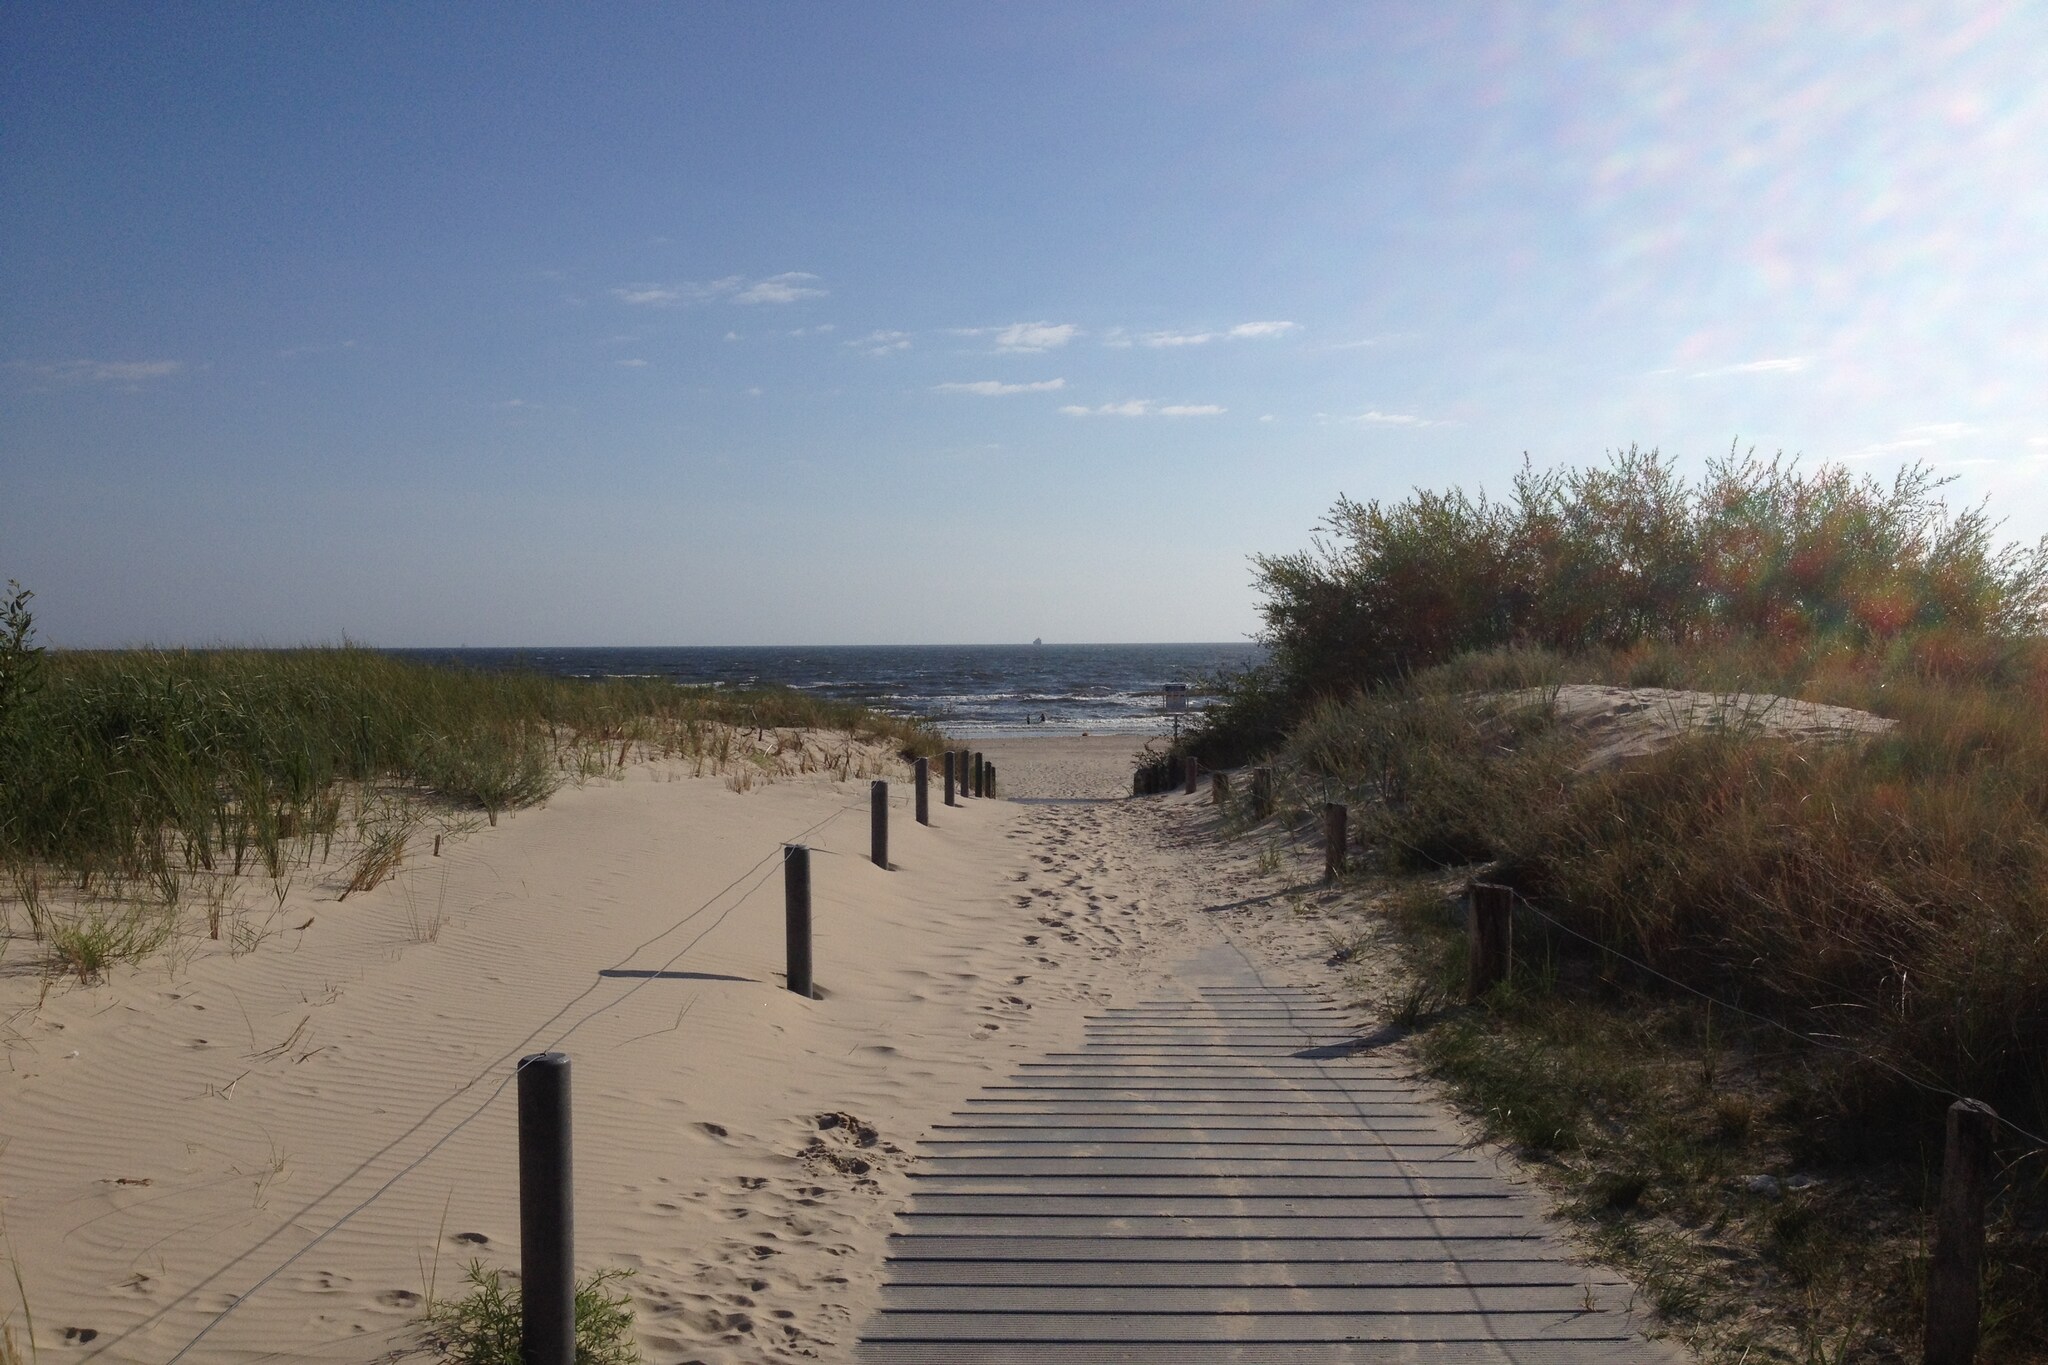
[483,1326]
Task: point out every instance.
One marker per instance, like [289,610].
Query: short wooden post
[1219,788]
[991,771]
[547,1214]
[1336,823]
[1955,1273]
[980,775]
[796,917]
[923,769]
[1194,769]
[949,778]
[1262,793]
[878,823]
[1486,964]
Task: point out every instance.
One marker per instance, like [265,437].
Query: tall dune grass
[122,764]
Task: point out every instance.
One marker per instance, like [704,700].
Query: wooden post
[980,774]
[1262,793]
[1219,788]
[1194,772]
[1138,782]
[923,769]
[949,778]
[547,1214]
[991,771]
[878,823]
[1336,820]
[796,917]
[1955,1273]
[1486,964]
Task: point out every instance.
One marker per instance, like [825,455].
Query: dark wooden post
[991,771]
[1955,1273]
[1219,788]
[980,775]
[1486,964]
[796,916]
[547,1250]
[1262,793]
[1336,822]
[878,823]
[923,769]
[949,778]
[1194,772]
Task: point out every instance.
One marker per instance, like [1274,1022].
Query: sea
[995,691]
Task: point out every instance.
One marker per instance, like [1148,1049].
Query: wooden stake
[1219,788]
[1336,819]
[1955,1273]
[1194,772]
[923,769]
[1486,964]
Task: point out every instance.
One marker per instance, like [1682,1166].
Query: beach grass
[139,781]
[1869,910]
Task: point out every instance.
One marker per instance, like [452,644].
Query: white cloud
[881,342]
[1143,407]
[1393,419]
[1244,331]
[1922,437]
[1784,364]
[1034,336]
[991,388]
[1265,417]
[649,295]
[788,287]
[102,371]
[631,364]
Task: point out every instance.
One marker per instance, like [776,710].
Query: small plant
[20,661]
[94,942]
[483,1326]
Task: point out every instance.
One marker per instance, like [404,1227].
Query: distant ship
[1038,642]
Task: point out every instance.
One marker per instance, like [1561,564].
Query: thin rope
[765,862]
[1820,1040]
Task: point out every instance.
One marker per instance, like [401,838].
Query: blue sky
[806,323]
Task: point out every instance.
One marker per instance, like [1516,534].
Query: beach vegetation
[147,780]
[483,1326]
[1748,949]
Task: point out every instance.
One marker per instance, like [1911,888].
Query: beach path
[1230,1170]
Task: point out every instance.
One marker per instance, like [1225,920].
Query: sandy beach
[279,1153]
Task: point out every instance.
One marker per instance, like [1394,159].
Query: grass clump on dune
[1883,896]
[141,779]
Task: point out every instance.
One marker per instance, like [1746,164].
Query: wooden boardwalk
[1229,1176]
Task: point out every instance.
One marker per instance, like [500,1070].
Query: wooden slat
[1220,1178]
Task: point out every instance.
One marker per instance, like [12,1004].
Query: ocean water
[988,690]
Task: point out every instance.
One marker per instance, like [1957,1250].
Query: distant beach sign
[1176,697]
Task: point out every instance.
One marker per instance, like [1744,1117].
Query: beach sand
[276,1154]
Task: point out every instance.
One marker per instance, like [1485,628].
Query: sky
[904,323]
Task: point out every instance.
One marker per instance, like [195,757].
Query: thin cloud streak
[992,388]
[1787,364]
[1144,407]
